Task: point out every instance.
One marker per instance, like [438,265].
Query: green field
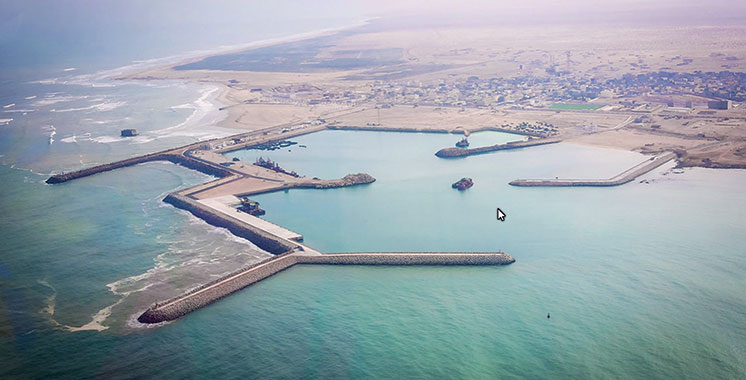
[563,106]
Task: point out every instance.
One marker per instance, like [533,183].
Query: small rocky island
[463,184]
[348,180]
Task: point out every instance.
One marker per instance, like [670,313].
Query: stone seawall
[262,239]
[209,293]
[460,152]
[160,156]
[64,177]
[429,258]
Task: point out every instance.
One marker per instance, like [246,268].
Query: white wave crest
[74,139]
[52,132]
[107,139]
[52,98]
[103,107]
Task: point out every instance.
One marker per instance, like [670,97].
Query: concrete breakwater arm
[460,152]
[263,239]
[619,179]
[215,290]
[160,156]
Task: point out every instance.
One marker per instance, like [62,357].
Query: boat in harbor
[463,143]
[271,165]
[251,207]
[463,184]
[272,145]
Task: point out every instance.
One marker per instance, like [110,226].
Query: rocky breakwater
[160,156]
[619,179]
[411,258]
[460,152]
[64,177]
[348,180]
[208,293]
[215,290]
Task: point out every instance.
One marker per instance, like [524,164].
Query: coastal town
[523,91]
[688,100]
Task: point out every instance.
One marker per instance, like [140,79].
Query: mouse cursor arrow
[500,215]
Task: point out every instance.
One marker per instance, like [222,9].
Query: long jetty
[181,155]
[170,156]
[461,152]
[619,179]
[206,294]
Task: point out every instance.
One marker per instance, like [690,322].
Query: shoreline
[143,66]
[250,110]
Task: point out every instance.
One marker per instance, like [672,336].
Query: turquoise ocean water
[642,280]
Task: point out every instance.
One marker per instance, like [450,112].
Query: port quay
[215,201]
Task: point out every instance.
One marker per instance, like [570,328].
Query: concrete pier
[225,205]
[206,294]
[263,239]
[619,179]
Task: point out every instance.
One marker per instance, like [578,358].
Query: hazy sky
[59,32]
